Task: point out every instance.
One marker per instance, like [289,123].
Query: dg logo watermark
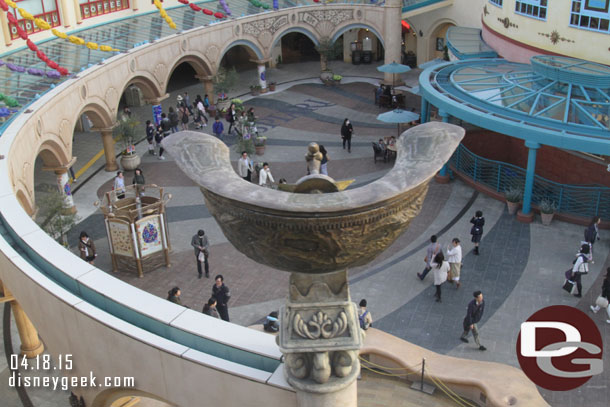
[560,348]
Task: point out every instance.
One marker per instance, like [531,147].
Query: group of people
[138,181]
[448,269]
[216,306]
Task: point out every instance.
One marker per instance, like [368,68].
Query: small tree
[224,81]
[328,50]
[125,133]
[55,219]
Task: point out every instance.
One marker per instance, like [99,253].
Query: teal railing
[131,316]
[409,5]
[580,200]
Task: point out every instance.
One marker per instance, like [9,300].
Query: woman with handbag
[440,269]
[478,221]
[580,267]
[602,300]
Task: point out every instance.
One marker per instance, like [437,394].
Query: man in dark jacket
[201,245]
[473,316]
[221,292]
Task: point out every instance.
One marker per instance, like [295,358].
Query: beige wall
[464,13]
[573,42]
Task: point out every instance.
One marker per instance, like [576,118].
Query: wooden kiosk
[136,227]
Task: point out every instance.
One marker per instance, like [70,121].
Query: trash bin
[356,57]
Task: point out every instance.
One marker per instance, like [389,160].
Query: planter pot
[513,207]
[130,162]
[260,150]
[223,104]
[264,90]
[272,87]
[546,218]
[337,82]
[326,76]
[255,92]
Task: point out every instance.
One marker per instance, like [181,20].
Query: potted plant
[55,219]
[244,143]
[327,50]
[259,144]
[224,81]
[547,210]
[337,79]
[513,197]
[125,133]
[271,86]
[255,90]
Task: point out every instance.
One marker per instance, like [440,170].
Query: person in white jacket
[265,177]
[440,268]
[244,167]
[454,257]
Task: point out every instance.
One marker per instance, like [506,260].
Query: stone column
[64,8]
[6,31]
[77,13]
[109,152]
[320,336]
[262,73]
[208,86]
[392,36]
[134,5]
[31,346]
[525,214]
[63,184]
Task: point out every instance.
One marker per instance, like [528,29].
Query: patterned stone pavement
[520,269]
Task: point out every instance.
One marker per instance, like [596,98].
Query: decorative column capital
[260,61]
[532,144]
[62,168]
[156,101]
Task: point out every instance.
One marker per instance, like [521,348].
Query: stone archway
[102,118]
[436,39]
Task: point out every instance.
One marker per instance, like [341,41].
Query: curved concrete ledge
[485,383]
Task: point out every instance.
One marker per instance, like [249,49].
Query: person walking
[244,167]
[440,269]
[173,295]
[602,300]
[454,257]
[324,162]
[201,111]
[592,231]
[201,245]
[210,308]
[265,178]
[150,137]
[580,267]
[138,180]
[222,294]
[364,316]
[184,117]
[474,314]
[218,127]
[86,248]
[346,134]
[433,248]
[119,185]
[478,221]
[231,117]
[163,131]
[173,118]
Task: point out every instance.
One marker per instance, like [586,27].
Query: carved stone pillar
[31,346]
[262,73]
[109,152]
[63,184]
[320,337]
[77,13]
[392,37]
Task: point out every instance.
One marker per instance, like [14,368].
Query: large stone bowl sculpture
[317,237]
[315,233]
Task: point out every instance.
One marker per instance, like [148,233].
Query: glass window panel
[592,14]
[49,5]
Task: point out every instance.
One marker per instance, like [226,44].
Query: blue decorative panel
[531,8]
[591,15]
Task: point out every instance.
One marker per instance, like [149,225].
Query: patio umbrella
[397,116]
[393,68]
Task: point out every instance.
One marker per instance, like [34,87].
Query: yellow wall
[574,42]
